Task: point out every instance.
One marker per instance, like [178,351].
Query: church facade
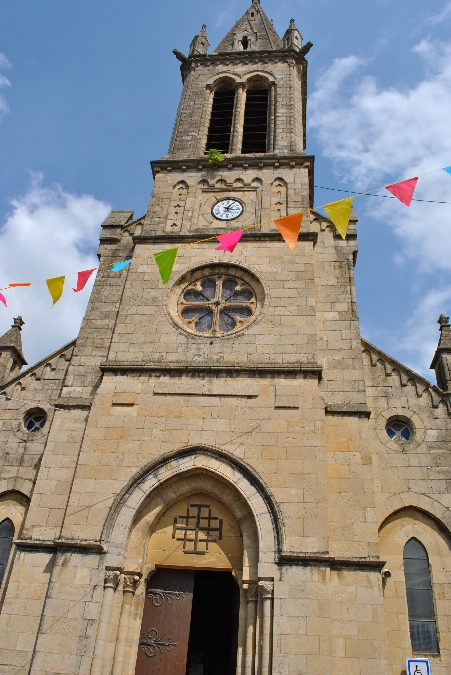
[219,475]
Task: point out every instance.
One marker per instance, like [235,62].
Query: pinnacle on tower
[11,356]
[253,32]
[199,44]
[441,362]
[292,38]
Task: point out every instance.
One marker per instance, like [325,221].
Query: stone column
[205,121]
[111,581]
[267,592]
[236,140]
[131,580]
[251,592]
[271,142]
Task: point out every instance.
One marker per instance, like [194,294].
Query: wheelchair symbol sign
[418,667]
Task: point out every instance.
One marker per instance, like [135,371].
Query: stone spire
[11,356]
[292,38]
[441,362]
[200,43]
[253,32]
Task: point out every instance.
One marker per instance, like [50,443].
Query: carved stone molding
[112,578]
[266,589]
[131,582]
[251,591]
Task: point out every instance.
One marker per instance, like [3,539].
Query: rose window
[216,305]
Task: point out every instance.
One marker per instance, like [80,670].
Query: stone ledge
[331,561]
[39,544]
[174,368]
[353,409]
[170,238]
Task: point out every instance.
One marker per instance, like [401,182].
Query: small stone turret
[200,44]
[441,362]
[11,356]
[292,38]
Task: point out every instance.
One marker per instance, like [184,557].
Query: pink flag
[82,279]
[3,299]
[403,190]
[229,240]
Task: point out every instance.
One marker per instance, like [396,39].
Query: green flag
[339,213]
[165,261]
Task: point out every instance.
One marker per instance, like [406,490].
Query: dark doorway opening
[213,637]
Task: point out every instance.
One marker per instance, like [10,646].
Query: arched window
[6,541]
[420,599]
[221,118]
[255,128]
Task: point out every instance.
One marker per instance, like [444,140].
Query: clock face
[227,209]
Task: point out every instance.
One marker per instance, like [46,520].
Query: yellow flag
[55,287]
[339,213]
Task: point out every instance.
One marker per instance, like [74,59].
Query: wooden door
[163,640]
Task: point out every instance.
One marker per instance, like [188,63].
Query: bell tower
[246,99]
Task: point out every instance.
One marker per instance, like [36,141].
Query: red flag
[289,227]
[403,190]
[229,241]
[82,279]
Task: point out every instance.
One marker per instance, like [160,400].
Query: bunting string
[339,213]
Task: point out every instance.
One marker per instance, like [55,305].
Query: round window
[216,304]
[216,300]
[398,431]
[35,421]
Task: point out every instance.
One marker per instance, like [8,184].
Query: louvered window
[255,129]
[420,599]
[221,119]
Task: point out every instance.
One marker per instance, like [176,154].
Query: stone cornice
[324,559]
[230,369]
[405,374]
[253,235]
[68,544]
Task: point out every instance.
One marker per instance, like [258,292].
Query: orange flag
[289,228]
[18,285]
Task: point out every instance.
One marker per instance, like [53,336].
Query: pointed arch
[6,541]
[233,473]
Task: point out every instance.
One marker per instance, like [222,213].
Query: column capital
[266,588]
[250,589]
[240,85]
[131,581]
[210,87]
[112,578]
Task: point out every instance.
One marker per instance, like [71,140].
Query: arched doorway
[191,609]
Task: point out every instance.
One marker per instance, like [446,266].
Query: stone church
[219,475]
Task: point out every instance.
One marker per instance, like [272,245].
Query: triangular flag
[3,299]
[229,240]
[82,279]
[165,261]
[117,267]
[403,190]
[55,287]
[289,228]
[447,169]
[18,285]
[339,213]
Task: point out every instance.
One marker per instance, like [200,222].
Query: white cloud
[49,232]
[4,82]
[375,136]
[442,15]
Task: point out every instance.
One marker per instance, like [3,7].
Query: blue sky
[89,92]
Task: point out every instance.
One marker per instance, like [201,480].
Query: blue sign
[418,667]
